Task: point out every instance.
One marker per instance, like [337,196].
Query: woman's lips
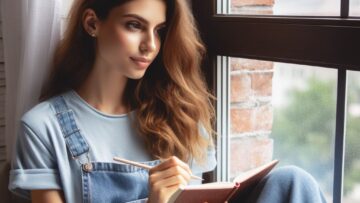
[141,62]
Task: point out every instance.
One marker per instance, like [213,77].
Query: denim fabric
[74,140]
[288,184]
[113,183]
[101,182]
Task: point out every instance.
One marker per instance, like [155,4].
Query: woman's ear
[90,22]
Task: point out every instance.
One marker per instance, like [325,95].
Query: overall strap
[75,141]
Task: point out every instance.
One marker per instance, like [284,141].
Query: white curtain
[31,30]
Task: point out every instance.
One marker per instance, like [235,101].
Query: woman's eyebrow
[142,19]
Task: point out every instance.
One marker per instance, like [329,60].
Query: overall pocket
[114,183]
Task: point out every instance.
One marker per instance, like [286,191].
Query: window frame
[326,41]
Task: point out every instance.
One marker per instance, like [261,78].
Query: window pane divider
[340,136]
[223,6]
[344,12]
[222,123]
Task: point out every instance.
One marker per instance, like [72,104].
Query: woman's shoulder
[41,115]
[38,116]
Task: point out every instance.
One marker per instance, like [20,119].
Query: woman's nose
[149,43]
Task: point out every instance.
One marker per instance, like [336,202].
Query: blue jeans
[288,184]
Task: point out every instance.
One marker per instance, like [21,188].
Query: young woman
[126,82]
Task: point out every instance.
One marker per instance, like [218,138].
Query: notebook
[221,192]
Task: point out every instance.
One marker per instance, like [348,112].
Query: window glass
[282,111]
[352,149]
[354,8]
[286,7]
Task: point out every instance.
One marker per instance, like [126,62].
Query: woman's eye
[133,25]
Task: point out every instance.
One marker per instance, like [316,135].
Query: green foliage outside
[304,133]
[352,151]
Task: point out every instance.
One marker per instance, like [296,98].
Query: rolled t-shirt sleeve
[33,165]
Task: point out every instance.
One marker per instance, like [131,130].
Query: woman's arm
[47,196]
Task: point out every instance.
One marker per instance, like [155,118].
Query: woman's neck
[104,90]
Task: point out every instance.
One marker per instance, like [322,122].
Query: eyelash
[133,25]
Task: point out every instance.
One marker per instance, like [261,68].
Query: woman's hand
[166,178]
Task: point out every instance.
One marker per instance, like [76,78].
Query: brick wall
[251,112]
[252,6]
[239,3]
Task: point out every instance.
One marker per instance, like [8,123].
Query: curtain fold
[31,30]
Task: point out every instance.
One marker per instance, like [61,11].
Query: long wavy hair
[172,101]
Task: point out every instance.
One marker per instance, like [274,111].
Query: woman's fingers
[171,181]
[172,171]
[170,162]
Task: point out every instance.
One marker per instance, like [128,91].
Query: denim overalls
[101,182]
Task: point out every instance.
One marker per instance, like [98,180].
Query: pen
[144,165]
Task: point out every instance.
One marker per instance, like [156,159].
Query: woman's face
[128,40]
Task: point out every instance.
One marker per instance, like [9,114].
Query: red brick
[250,64]
[261,84]
[264,118]
[241,120]
[252,2]
[249,152]
[240,88]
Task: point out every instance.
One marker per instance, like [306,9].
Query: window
[277,57]
[352,150]
[354,8]
[286,7]
[282,110]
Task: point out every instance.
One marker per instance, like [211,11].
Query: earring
[92,33]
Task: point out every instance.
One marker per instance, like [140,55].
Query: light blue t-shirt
[42,161]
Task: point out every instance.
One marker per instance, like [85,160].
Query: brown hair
[171,100]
